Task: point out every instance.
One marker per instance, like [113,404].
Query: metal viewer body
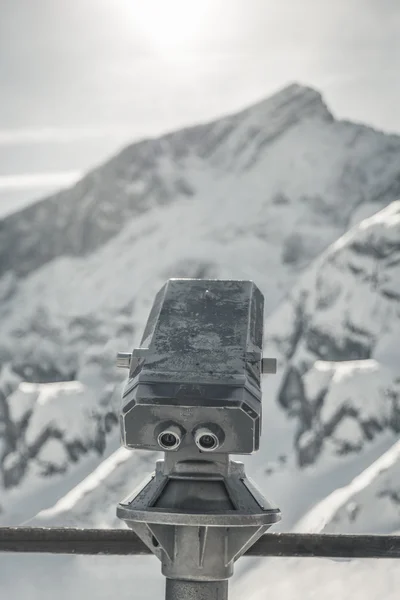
[194,391]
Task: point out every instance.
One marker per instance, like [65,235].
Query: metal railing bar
[125,542]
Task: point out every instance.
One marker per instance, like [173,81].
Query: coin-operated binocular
[194,392]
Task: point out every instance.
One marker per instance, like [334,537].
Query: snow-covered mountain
[281,193]
[255,195]
[287,150]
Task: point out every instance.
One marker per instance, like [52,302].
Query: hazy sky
[79,77]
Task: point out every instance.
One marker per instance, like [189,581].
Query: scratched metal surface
[203,327]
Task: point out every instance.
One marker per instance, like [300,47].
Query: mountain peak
[296,89]
[294,100]
[237,142]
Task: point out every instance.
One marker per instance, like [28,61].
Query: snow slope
[368,504]
[308,578]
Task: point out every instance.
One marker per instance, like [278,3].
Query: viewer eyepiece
[206,440]
[170,438]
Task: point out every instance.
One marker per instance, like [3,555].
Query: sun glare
[172,25]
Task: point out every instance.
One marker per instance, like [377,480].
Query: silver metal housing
[197,374]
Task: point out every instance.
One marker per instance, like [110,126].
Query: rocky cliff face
[338,331]
[49,426]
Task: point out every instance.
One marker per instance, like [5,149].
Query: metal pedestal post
[178,589]
[198,517]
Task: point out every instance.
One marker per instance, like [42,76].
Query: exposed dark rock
[308,448]
[393,495]
[280,200]
[327,347]
[14,469]
[293,249]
